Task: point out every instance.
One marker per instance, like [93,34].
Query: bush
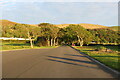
[41,41]
[100,48]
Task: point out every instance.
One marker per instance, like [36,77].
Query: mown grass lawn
[110,59]
[114,48]
[14,46]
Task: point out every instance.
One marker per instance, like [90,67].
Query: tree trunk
[80,40]
[31,42]
[51,42]
[54,41]
[48,41]
[81,43]
[57,42]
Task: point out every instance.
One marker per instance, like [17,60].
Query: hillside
[114,28]
[92,26]
[10,23]
[87,26]
[7,23]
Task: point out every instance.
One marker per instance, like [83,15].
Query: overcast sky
[35,12]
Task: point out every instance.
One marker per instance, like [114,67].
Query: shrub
[41,41]
[100,48]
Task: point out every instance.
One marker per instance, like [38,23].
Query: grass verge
[16,46]
[110,59]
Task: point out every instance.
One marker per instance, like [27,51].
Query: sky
[50,11]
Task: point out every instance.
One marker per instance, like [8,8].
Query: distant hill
[10,23]
[114,28]
[87,26]
[7,23]
[33,24]
[92,26]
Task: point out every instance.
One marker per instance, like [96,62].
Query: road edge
[112,71]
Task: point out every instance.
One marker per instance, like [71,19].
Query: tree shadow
[72,60]
[74,55]
[72,63]
[77,64]
[75,60]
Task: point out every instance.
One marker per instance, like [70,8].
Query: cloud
[62,12]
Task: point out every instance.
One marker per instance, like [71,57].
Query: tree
[54,34]
[88,37]
[105,35]
[32,33]
[70,35]
[16,30]
[46,32]
[81,33]
[49,31]
[95,37]
[21,31]
[61,36]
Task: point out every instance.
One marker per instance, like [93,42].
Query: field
[13,45]
[110,59]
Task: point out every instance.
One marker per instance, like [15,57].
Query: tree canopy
[51,35]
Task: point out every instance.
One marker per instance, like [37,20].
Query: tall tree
[32,32]
[54,34]
[105,35]
[46,32]
[80,32]
[49,31]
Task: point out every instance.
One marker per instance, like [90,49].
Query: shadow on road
[72,63]
[68,59]
[74,55]
[72,60]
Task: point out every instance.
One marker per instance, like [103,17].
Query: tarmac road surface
[60,62]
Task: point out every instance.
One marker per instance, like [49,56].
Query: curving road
[61,62]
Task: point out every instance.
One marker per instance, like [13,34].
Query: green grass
[115,47]
[107,58]
[14,46]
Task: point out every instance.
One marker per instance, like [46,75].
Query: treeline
[46,34]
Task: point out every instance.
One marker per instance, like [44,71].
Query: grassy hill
[10,23]
[92,26]
[114,28]
[7,23]
[87,26]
